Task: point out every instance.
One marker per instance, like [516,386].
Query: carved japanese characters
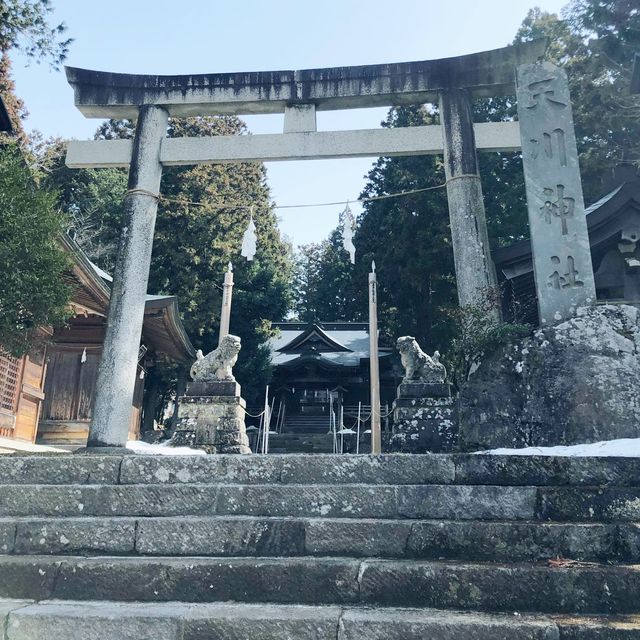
[418,366]
[559,239]
[218,364]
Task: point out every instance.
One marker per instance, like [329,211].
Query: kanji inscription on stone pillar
[559,238]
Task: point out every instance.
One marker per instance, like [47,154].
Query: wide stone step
[449,502]
[342,469]
[25,620]
[248,536]
[572,589]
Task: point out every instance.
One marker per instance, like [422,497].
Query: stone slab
[384,469]
[220,537]
[95,621]
[6,607]
[195,579]
[467,502]
[27,577]
[423,429]
[508,588]
[424,390]
[545,470]
[7,535]
[76,536]
[348,501]
[357,538]
[138,500]
[598,627]
[417,403]
[201,469]
[261,622]
[220,388]
[407,624]
[514,541]
[629,541]
[606,504]
[90,469]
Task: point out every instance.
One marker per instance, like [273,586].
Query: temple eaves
[100,94]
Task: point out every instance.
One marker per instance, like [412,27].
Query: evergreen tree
[24,27]
[33,292]
[595,45]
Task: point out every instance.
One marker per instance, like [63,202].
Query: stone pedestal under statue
[212,411]
[424,418]
[423,412]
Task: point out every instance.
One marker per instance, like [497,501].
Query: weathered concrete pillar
[475,271]
[117,370]
[557,221]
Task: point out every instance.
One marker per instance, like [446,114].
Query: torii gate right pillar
[475,271]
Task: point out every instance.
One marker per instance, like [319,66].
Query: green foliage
[595,45]
[33,293]
[323,282]
[477,334]
[90,198]
[24,25]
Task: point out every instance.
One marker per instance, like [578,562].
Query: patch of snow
[146,449]
[623,448]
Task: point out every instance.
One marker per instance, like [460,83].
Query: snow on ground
[625,447]
[146,449]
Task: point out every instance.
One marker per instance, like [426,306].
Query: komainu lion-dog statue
[418,366]
[217,365]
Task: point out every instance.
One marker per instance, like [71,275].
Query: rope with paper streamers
[244,205]
[250,239]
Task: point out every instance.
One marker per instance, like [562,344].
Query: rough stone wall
[575,382]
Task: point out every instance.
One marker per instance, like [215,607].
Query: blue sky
[200,36]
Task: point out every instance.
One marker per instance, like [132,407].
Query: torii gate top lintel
[100,94]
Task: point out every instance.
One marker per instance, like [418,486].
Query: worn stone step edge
[220,536]
[321,468]
[26,620]
[468,502]
[575,589]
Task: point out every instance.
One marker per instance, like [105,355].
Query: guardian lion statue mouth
[418,366]
[217,365]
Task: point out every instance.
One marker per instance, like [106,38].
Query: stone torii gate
[562,263]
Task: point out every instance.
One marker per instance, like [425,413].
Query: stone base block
[212,423]
[424,390]
[429,425]
[218,388]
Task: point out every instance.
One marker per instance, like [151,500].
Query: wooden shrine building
[47,395]
[324,366]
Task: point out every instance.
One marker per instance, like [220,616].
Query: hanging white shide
[249,240]
[349,224]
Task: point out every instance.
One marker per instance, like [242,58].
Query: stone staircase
[434,547]
[301,423]
[303,434]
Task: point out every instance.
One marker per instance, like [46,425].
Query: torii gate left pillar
[118,364]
